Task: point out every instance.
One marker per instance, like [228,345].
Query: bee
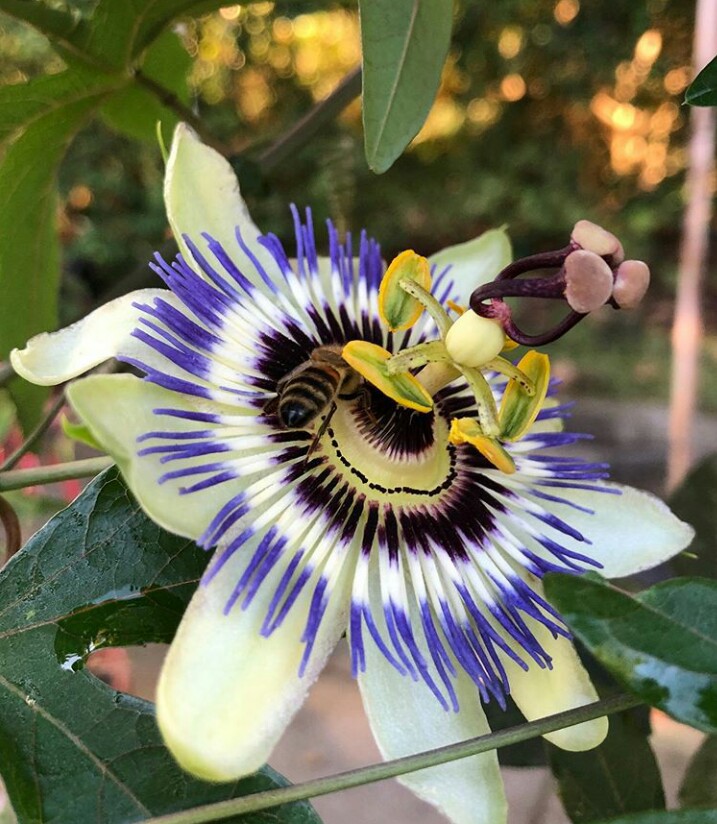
[312,388]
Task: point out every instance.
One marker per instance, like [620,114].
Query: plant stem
[390,769]
[317,117]
[20,478]
[183,112]
[35,435]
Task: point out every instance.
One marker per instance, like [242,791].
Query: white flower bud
[473,340]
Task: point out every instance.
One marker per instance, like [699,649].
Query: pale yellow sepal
[473,340]
[226,693]
[405,718]
[467,430]
[201,194]
[474,262]
[396,308]
[544,691]
[519,409]
[371,362]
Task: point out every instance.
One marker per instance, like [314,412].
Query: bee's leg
[271,406]
[363,395]
[317,437]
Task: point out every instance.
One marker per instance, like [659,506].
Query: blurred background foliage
[547,112]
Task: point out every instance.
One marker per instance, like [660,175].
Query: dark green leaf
[404,44]
[135,111]
[114,36]
[529,753]
[676,817]
[22,103]
[121,31]
[660,644]
[620,776]
[703,89]
[699,787]
[695,501]
[66,31]
[71,749]
[29,257]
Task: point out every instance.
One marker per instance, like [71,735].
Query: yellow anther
[371,362]
[519,409]
[396,308]
[467,430]
[459,310]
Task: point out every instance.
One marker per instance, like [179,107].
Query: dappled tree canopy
[547,112]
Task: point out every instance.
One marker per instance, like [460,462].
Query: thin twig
[304,129]
[21,478]
[183,112]
[400,766]
[35,435]
[11,524]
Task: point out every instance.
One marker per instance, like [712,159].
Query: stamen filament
[432,352]
[487,410]
[510,370]
[432,306]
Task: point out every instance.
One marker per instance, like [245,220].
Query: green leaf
[695,501]
[135,111]
[29,258]
[22,103]
[405,43]
[71,748]
[67,31]
[529,753]
[703,89]
[660,644]
[114,36]
[620,776]
[122,30]
[676,817]
[699,786]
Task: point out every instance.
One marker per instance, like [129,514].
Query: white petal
[55,357]
[406,718]
[226,694]
[542,692]
[474,262]
[118,409]
[201,194]
[629,532]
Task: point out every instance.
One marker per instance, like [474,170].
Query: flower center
[388,456]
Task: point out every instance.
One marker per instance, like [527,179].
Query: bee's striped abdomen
[306,395]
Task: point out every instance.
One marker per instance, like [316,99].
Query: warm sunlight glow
[566,11]
[512,87]
[649,46]
[510,42]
